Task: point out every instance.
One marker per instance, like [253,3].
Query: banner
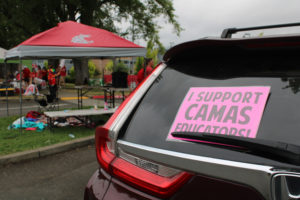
[234,111]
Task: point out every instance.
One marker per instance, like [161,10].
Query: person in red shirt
[33,74]
[63,73]
[39,72]
[26,75]
[52,82]
[44,74]
[141,74]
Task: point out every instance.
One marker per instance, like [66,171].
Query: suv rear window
[151,121]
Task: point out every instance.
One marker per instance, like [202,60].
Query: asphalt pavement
[58,177]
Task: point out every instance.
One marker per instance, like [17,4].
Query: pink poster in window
[234,111]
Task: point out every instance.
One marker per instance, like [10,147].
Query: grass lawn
[12,141]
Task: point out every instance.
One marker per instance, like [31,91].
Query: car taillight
[156,179]
[104,155]
[150,177]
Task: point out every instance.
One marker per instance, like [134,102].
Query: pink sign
[235,111]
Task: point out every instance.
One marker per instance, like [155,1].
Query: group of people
[54,76]
[29,77]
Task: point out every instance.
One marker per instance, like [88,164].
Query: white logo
[81,39]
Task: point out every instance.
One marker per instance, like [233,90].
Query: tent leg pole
[21,76]
[145,66]
[6,81]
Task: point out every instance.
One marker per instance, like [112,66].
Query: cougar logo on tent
[81,39]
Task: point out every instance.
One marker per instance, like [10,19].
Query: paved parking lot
[61,176]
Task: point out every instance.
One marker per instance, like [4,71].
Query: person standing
[33,73]
[44,74]
[57,70]
[142,74]
[52,82]
[39,72]
[63,73]
[26,75]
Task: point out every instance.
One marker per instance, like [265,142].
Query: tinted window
[151,121]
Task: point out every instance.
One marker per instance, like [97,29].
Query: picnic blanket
[28,124]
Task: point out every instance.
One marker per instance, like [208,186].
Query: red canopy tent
[73,40]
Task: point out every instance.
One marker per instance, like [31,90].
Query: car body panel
[218,172]
[119,190]
[97,185]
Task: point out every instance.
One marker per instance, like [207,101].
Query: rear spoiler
[227,33]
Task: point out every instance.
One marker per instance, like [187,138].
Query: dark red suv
[218,119]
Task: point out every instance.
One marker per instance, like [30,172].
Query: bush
[120,67]
[72,72]
[92,69]
[109,66]
[97,74]
[46,64]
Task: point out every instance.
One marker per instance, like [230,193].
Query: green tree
[109,66]
[72,72]
[120,67]
[21,19]
[92,69]
[153,52]
[139,64]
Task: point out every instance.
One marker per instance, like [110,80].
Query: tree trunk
[81,71]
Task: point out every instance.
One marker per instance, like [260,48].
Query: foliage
[46,64]
[72,72]
[120,67]
[97,73]
[21,19]
[153,52]
[92,69]
[109,66]
[139,64]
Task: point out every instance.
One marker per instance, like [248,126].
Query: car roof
[253,43]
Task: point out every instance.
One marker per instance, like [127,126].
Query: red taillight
[136,176]
[105,157]
[156,185]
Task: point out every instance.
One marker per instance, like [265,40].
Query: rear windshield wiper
[265,148]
